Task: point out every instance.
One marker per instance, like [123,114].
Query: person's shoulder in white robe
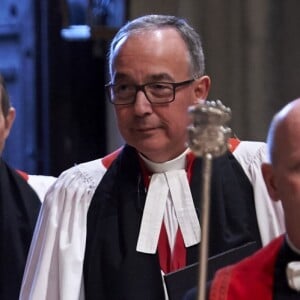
[55,262]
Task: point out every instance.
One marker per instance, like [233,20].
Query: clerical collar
[178,163]
[168,184]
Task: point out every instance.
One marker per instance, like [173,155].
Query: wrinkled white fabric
[269,213]
[184,207]
[40,184]
[168,200]
[55,262]
[172,185]
[153,214]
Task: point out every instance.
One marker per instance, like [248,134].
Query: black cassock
[19,208]
[113,269]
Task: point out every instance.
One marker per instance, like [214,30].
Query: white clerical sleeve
[269,213]
[55,261]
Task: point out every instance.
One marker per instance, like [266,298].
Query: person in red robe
[274,271]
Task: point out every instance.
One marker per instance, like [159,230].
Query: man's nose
[142,104]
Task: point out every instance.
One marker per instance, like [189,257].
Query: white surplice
[54,269]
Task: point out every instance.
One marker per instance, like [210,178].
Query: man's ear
[202,87]
[9,120]
[269,177]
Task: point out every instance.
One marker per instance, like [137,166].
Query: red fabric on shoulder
[23,174]
[253,276]
[233,143]
[108,159]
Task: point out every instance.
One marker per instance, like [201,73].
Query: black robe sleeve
[19,208]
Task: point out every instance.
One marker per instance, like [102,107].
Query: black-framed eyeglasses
[155,92]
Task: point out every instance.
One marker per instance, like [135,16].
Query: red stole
[252,278]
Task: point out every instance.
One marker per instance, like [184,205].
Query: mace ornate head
[208,133]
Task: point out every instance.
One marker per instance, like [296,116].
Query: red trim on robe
[233,143]
[164,250]
[23,174]
[253,276]
[108,159]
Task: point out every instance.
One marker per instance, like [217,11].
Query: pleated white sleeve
[269,213]
[55,261]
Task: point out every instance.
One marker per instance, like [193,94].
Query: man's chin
[155,153]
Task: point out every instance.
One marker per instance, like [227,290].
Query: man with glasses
[155,92]
[110,228]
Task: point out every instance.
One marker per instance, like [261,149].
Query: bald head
[284,132]
[282,174]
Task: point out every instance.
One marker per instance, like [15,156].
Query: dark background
[56,85]
[252,56]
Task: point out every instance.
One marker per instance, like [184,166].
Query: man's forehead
[159,34]
[151,77]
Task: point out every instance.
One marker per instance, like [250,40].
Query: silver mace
[208,138]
